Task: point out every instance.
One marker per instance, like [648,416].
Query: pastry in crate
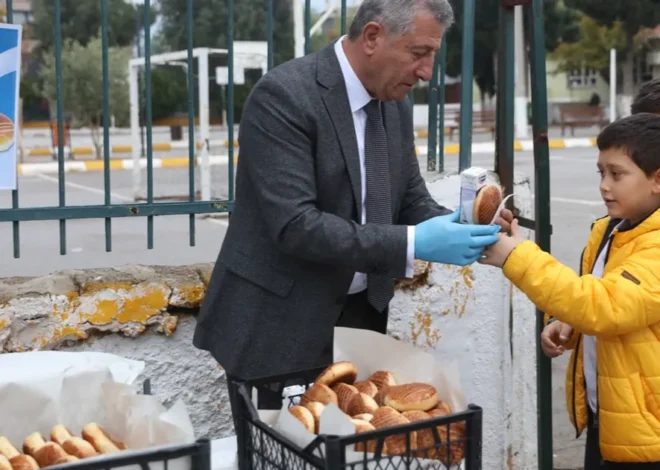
[62,447]
[380,402]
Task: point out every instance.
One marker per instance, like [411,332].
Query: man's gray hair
[397,17]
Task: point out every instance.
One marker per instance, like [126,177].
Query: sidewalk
[121,142]
[88,165]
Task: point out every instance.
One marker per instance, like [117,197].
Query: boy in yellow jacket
[609,315]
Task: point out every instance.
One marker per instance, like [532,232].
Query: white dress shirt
[358,98]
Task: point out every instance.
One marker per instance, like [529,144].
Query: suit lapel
[392,125]
[336,101]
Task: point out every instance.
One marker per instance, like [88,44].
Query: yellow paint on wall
[192,295]
[61,333]
[140,309]
[467,273]
[95,287]
[106,312]
[422,324]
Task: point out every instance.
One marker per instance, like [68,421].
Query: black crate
[158,458]
[262,448]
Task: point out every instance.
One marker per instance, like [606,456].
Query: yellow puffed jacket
[623,310]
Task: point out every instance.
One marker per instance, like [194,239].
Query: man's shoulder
[296,72]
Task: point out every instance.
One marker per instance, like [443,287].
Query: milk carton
[472,180]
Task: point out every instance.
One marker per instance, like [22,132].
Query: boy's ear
[656,181]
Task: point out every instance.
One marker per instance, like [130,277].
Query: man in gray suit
[330,205]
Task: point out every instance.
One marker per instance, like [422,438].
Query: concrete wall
[140,312]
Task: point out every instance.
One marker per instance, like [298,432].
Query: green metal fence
[503,161]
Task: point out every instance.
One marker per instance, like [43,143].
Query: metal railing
[503,160]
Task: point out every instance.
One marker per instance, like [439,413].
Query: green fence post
[467,74]
[441,104]
[271,34]
[106,122]
[432,140]
[505,94]
[230,97]
[543,227]
[308,25]
[60,123]
[16,230]
[192,147]
[343,17]
[149,119]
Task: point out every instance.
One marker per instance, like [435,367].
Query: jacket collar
[628,232]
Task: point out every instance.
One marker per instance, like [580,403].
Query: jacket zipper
[608,232]
[575,361]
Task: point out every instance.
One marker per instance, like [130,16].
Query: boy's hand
[497,253]
[554,337]
[504,220]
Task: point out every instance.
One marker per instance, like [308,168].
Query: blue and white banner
[10,79]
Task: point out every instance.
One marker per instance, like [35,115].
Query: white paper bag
[370,352]
[41,389]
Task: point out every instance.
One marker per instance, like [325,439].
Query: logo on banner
[10,77]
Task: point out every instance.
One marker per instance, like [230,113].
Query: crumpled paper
[41,389]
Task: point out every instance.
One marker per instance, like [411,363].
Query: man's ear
[372,36]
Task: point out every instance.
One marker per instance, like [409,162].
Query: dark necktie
[380,288]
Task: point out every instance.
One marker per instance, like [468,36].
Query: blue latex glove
[443,240]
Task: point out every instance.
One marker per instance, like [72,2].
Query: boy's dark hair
[638,136]
[647,99]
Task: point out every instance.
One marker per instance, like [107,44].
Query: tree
[592,50]
[81,21]
[632,16]
[82,85]
[210,30]
[560,24]
[210,24]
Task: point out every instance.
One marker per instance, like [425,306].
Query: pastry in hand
[486,203]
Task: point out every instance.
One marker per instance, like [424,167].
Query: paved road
[575,203]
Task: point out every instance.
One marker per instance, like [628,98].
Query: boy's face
[627,191]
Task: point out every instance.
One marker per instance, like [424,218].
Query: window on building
[582,78]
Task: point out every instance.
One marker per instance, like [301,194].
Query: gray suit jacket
[294,241]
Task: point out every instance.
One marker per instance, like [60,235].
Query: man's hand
[504,220]
[442,239]
[554,337]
